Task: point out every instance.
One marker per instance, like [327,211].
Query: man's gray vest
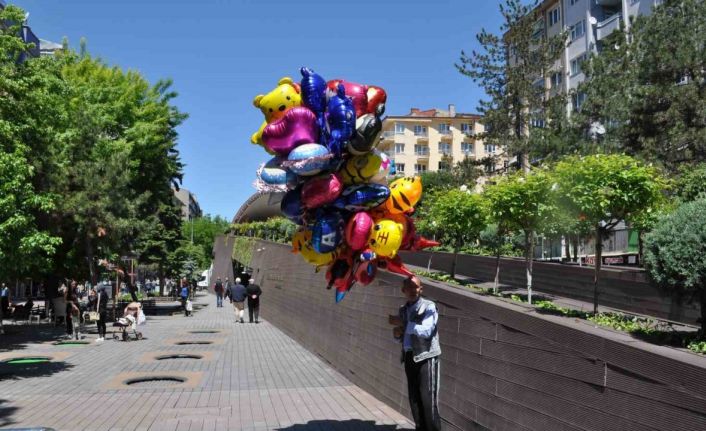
[422,348]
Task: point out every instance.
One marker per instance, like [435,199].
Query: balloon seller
[322,136]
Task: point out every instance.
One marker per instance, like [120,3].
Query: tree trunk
[453,264]
[567,247]
[703,311]
[91,261]
[598,260]
[529,245]
[640,247]
[575,245]
[497,271]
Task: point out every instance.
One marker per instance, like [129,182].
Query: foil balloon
[291,205]
[410,240]
[385,166]
[313,90]
[367,129]
[358,94]
[361,169]
[274,104]
[308,159]
[328,231]
[271,177]
[394,265]
[320,191]
[376,100]
[301,243]
[296,127]
[340,274]
[386,237]
[404,195]
[362,197]
[340,119]
[364,272]
[358,230]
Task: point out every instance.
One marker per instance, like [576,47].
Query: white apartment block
[588,23]
[429,140]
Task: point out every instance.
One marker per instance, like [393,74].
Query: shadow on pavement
[6,413]
[345,425]
[19,337]
[28,371]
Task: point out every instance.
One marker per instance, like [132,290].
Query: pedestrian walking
[218,288]
[4,304]
[99,304]
[416,328]
[73,312]
[237,295]
[185,296]
[254,293]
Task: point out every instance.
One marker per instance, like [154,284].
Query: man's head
[237,280]
[412,288]
[219,279]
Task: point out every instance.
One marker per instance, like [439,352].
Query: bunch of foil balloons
[322,136]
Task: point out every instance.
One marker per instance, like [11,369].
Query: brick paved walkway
[251,377]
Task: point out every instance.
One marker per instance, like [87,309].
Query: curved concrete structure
[258,207]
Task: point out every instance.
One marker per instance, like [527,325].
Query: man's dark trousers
[253,307]
[423,389]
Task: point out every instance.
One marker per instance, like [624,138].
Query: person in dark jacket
[218,288]
[238,294]
[101,306]
[254,293]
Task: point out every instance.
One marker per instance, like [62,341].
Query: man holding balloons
[416,328]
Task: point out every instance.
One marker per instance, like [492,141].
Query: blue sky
[221,53]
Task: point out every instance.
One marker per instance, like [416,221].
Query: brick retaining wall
[504,367]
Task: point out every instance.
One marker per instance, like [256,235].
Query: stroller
[132,316]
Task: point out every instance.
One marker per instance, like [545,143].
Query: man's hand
[397,331]
[394,320]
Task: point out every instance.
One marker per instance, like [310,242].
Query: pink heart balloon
[297,127]
[321,190]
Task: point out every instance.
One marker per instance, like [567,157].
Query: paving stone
[254,378]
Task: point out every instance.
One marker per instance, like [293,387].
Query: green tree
[675,253]
[691,183]
[203,231]
[458,217]
[603,190]
[522,202]
[508,67]
[646,90]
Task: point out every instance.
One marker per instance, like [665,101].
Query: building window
[420,130]
[445,129]
[399,129]
[577,99]
[399,148]
[443,166]
[490,148]
[400,168]
[554,16]
[444,148]
[421,150]
[537,122]
[573,2]
[576,64]
[556,79]
[419,168]
[466,148]
[467,128]
[578,30]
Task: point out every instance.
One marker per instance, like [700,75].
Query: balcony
[388,136]
[421,151]
[608,26]
[446,137]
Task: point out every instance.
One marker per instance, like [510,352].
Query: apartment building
[588,23]
[433,139]
[190,208]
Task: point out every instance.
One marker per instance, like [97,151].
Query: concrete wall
[222,258]
[624,289]
[504,367]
